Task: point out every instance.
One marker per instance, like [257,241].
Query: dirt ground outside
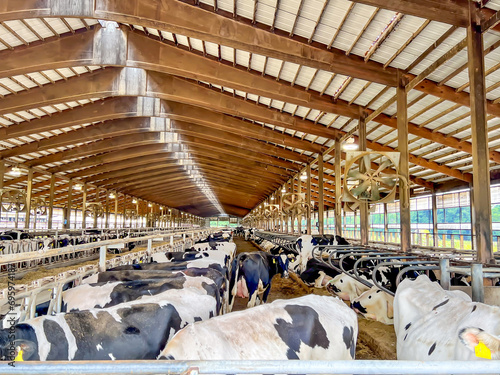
[375,340]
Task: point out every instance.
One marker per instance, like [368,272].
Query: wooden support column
[386,224]
[116,210]
[434,218]
[321,203]
[479,129]
[29,189]
[404,170]
[67,224]
[84,206]
[299,192]
[308,198]
[123,211]
[2,176]
[363,207]
[51,200]
[106,221]
[338,187]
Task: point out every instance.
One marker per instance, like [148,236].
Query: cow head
[346,287]
[283,263]
[472,337]
[376,305]
[16,349]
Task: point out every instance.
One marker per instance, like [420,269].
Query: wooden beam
[404,194]
[177,17]
[481,213]
[453,12]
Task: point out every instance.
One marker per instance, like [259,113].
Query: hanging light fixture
[15,171]
[134,201]
[303,176]
[283,190]
[112,195]
[349,144]
[150,205]
[78,187]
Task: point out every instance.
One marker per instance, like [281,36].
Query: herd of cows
[179,306]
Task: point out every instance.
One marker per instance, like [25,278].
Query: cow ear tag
[19,356]
[482,351]
[274,260]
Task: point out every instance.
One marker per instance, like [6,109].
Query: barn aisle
[375,340]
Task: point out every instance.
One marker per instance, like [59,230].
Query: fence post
[461,242]
[453,241]
[444,265]
[149,250]
[477,282]
[102,258]
[444,240]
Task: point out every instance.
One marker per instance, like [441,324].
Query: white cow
[346,287]
[433,324]
[309,328]
[375,304]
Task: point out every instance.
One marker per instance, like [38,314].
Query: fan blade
[356,174]
[375,192]
[367,161]
[360,189]
[389,180]
[382,166]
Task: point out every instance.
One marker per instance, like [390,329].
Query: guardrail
[253,367]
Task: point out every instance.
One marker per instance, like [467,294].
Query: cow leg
[252,300]
[266,293]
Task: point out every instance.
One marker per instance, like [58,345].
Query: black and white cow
[132,275]
[307,328]
[433,324]
[252,274]
[188,256]
[135,330]
[317,273]
[375,304]
[306,243]
[175,266]
[104,295]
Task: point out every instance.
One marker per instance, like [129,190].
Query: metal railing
[253,367]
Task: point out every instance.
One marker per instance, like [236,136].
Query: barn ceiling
[209,107]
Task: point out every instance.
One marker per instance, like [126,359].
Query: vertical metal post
[477,282]
[404,192]
[29,188]
[444,265]
[338,187]
[150,249]
[308,198]
[321,201]
[84,206]
[67,224]
[51,200]
[479,131]
[363,207]
[434,218]
[102,258]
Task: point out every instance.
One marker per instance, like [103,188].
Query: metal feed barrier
[420,260]
[252,367]
[49,289]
